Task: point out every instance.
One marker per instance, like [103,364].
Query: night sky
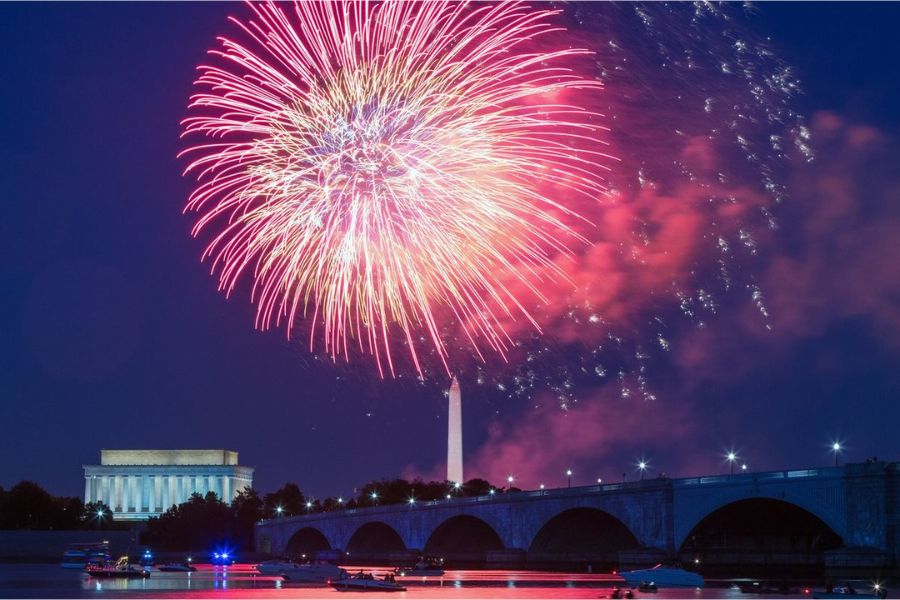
[115,336]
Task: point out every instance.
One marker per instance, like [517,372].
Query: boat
[275,567]
[314,572]
[662,576]
[122,569]
[79,556]
[424,567]
[176,567]
[847,591]
[366,582]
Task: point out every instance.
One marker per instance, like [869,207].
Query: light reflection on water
[242,581]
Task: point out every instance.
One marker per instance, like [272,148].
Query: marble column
[117,494]
[126,494]
[157,493]
[87,490]
[173,491]
[135,496]
[226,489]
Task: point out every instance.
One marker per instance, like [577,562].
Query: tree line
[205,522]
[27,505]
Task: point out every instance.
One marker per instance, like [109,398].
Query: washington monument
[454,435]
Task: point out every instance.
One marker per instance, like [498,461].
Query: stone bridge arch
[374,538]
[760,534]
[463,538]
[581,534]
[306,541]
[693,509]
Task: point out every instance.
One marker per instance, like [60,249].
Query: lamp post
[642,466]
[279,510]
[836,448]
[731,457]
[569,476]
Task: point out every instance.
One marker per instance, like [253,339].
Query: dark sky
[113,335]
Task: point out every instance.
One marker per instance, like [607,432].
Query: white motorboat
[425,567]
[662,576]
[316,572]
[366,582]
[275,567]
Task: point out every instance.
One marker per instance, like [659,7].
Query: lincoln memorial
[139,484]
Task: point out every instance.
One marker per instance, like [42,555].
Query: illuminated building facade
[139,484]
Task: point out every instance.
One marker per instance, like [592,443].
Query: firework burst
[391,167]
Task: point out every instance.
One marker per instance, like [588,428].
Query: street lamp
[569,475]
[374,496]
[731,457]
[279,510]
[836,448]
[308,505]
[744,467]
[642,466]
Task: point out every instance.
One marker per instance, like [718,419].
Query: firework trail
[373,166]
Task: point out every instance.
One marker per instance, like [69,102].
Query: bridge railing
[563,492]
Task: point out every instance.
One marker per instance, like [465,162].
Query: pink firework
[391,167]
